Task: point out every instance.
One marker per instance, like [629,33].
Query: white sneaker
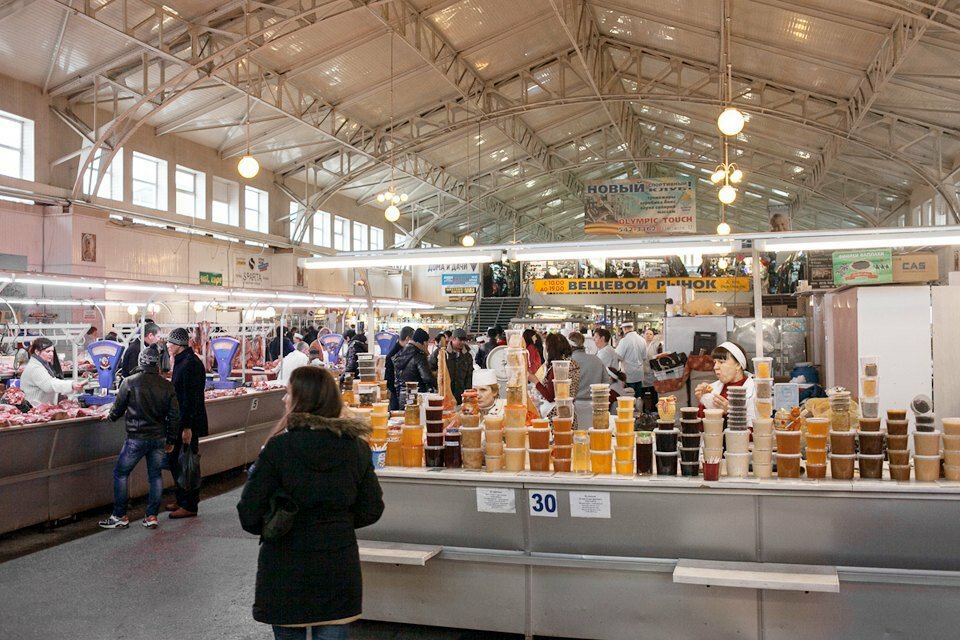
[150,522]
[113,522]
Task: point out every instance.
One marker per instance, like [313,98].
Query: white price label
[589,504]
[254,404]
[543,503]
[496,500]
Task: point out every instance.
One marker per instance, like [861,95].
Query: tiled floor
[191,579]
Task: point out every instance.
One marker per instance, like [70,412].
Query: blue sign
[460,280]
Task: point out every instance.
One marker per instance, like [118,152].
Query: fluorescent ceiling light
[261,295]
[115,286]
[329,299]
[202,292]
[874,240]
[413,258]
[636,251]
[79,284]
[284,296]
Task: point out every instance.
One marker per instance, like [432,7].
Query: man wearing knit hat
[411,365]
[189,381]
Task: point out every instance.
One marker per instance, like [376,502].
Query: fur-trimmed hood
[343,426]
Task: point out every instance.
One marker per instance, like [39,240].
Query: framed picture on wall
[88,247]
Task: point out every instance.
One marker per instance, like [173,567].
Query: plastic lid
[845,456]
[671,454]
[662,432]
[790,455]
[920,457]
[870,456]
[730,454]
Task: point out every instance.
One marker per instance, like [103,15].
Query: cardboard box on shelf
[740,310]
[778,311]
[916,267]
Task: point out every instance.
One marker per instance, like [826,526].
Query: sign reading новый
[638,285]
[640,206]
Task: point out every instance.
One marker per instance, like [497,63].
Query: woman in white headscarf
[730,365]
[488,392]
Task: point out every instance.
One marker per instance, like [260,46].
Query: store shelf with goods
[615,542]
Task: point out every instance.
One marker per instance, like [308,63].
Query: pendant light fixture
[468,240]
[248,167]
[390,196]
[723,229]
[731,120]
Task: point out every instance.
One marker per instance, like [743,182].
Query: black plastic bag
[279,520]
[189,478]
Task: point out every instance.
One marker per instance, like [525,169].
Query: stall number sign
[543,503]
[254,404]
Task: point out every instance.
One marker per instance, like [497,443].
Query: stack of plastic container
[842,439]
[788,452]
[869,387]
[951,448]
[379,419]
[764,399]
[538,444]
[666,435]
[516,368]
[470,431]
[493,442]
[563,435]
[689,441]
[871,448]
[626,440]
[926,443]
[817,429]
[601,435]
[411,438]
[435,436]
[763,447]
[515,437]
[737,435]
[898,448]
[712,437]
[367,366]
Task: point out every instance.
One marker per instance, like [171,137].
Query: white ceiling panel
[469,22]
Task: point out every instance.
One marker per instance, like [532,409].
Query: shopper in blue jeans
[148,403]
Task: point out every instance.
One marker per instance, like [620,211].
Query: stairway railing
[474,310]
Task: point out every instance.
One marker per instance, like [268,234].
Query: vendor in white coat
[730,365]
[488,392]
[38,382]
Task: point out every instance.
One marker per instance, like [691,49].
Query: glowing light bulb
[132,309]
[730,122]
[468,240]
[722,263]
[553,270]
[736,176]
[717,175]
[198,307]
[381,197]
[392,213]
[727,194]
[723,229]
[248,167]
[403,197]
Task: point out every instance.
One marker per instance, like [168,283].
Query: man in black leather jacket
[410,365]
[189,381]
[152,416]
[357,345]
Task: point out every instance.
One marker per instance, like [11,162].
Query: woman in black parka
[311,576]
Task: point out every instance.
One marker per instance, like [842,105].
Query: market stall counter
[52,470]
[569,555]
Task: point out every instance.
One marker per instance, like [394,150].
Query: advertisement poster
[438,270]
[820,269]
[640,206]
[212,279]
[639,285]
[868,266]
[251,271]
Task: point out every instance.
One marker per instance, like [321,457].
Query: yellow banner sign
[638,285]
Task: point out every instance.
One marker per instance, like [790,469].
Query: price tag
[254,404]
[496,500]
[589,504]
[543,503]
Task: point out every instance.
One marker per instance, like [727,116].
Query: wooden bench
[397,552]
[757,575]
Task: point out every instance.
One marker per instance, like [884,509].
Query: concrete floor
[189,579]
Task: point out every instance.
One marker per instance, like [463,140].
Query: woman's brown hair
[38,345]
[557,348]
[312,390]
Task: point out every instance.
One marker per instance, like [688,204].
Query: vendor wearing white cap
[488,392]
[730,365]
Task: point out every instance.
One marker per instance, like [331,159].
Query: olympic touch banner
[641,206]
